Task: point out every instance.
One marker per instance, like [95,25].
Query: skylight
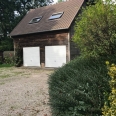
[35,20]
[56,16]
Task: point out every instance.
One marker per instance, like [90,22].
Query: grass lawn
[6,65]
[9,71]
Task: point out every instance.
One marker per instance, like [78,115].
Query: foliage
[11,12]
[91,2]
[111,110]
[23,6]
[6,65]
[9,60]
[1,60]
[77,89]
[95,29]
[6,44]
[18,57]
[6,16]
[60,1]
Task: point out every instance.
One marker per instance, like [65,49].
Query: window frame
[32,21]
[52,17]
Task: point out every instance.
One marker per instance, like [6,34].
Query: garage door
[55,56]
[31,56]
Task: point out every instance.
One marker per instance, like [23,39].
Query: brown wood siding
[42,40]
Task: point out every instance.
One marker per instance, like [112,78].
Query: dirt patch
[24,92]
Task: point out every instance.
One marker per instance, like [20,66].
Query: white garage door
[31,56]
[55,56]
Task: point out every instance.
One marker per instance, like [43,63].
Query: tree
[11,12]
[6,16]
[95,29]
[10,8]
[22,6]
[6,23]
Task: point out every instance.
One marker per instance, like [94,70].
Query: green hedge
[110,109]
[77,89]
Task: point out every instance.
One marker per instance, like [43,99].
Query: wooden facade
[57,32]
[53,38]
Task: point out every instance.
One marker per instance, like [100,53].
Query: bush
[110,109]
[77,89]
[18,57]
[9,60]
[1,60]
[8,57]
[95,29]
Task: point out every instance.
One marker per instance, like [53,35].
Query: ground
[24,92]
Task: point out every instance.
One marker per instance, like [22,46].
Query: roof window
[56,16]
[35,20]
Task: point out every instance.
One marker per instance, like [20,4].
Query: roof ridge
[64,2]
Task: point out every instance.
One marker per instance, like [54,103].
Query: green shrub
[18,57]
[1,60]
[110,110]
[8,57]
[95,29]
[77,89]
[9,60]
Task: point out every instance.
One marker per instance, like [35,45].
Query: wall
[9,54]
[42,40]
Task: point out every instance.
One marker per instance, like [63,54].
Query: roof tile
[70,9]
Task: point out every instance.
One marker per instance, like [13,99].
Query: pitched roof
[69,9]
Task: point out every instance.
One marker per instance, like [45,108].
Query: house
[45,34]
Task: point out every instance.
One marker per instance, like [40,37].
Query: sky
[55,1]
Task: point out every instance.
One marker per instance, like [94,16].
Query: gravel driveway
[24,92]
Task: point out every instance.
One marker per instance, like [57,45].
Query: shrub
[77,89]
[1,60]
[110,110]
[8,57]
[95,29]
[9,60]
[18,57]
